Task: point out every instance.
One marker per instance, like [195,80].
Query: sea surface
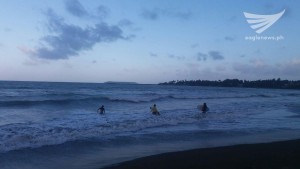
[56,125]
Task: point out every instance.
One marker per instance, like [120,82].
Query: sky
[147,41]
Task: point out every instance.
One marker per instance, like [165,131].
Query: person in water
[101,110]
[154,110]
[204,108]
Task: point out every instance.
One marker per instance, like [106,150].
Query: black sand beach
[276,155]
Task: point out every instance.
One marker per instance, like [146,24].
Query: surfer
[101,110]
[204,108]
[154,110]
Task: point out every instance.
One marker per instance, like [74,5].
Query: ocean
[56,125]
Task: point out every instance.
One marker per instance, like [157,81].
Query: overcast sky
[146,41]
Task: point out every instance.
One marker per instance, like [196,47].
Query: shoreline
[273,155]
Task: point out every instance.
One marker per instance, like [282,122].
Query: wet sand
[276,155]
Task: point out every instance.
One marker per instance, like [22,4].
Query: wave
[59,102]
[290,94]
[58,131]
[28,103]
[85,100]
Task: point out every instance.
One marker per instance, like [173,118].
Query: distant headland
[112,82]
[271,83]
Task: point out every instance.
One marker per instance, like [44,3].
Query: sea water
[56,125]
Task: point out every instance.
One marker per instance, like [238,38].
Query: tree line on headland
[270,83]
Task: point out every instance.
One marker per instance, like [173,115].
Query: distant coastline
[112,82]
[271,83]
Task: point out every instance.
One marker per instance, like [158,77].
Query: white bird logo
[262,22]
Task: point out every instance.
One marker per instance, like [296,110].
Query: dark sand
[277,155]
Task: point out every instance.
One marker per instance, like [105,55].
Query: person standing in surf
[101,110]
[204,108]
[154,110]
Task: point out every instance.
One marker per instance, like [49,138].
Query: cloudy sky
[146,41]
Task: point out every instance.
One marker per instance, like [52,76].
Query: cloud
[151,14]
[102,11]
[156,13]
[125,23]
[201,56]
[67,40]
[128,25]
[215,55]
[75,8]
[32,61]
[176,57]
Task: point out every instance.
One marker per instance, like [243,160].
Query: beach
[275,155]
